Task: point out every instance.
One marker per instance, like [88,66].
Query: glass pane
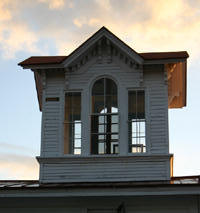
[94,123]
[131,104]
[115,119]
[77,129]
[101,119]
[115,137]
[102,128]
[140,105]
[142,128]
[101,148]
[98,88]
[77,151]
[77,143]
[111,87]
[114,128]
[97,104]
[72,106]
[114,147]
[142,141]
[101,137]
[111,103]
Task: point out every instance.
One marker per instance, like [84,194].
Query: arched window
[104,118]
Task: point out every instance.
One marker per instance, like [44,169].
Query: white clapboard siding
[129,77]
[52,114]
[106,168]
[94,169]
[158,109]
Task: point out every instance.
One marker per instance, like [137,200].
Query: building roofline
[175,181]
[152,56]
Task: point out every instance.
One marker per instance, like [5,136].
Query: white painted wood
[52,110]
[105,168]
[126,78]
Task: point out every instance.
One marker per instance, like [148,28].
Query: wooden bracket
[165,74]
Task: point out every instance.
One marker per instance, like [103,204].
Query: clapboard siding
[126,76]
[52,114]
[107,168]
[158,109]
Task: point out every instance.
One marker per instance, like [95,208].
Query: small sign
[52,99]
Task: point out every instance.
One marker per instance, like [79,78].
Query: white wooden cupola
[105,111]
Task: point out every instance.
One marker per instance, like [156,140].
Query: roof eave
[164,61]
[42,66]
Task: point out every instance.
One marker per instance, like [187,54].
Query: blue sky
[56,27]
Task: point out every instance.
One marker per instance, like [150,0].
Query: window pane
[97,104]
[77,143]
[94,123]
[114,148]
[140,105]
[72,124]
[111,103]
[114,128]
[115,119]
[114,136]
[77,151]
[102,119]
[111,87]
[101,148]
[136,122]
[98,88]
[132,105]
[102,128]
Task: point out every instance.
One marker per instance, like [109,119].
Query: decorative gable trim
[102,51]
[111,38]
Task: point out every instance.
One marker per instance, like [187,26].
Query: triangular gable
[103,32]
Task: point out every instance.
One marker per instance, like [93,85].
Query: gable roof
[166,58]
[41,60]
[102,32]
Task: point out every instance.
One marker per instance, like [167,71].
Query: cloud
[18,167]
[13,148]
[5,13]
[53,4]
[165,26]
[15,165]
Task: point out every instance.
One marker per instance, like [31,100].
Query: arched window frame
[114,143]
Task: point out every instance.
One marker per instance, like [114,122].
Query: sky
[57,27]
